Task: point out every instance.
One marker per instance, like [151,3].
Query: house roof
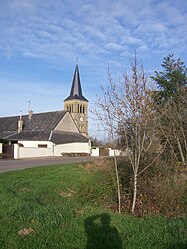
[61,137]
[76,90]
[39,122]
[45,121]
[30,136]
[39,128]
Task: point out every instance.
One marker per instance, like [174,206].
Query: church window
[72,108]
[80,108]
[83,109]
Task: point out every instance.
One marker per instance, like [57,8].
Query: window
[42,145]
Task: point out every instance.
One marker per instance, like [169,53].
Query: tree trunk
[181,152]
[135,192]
[117,180]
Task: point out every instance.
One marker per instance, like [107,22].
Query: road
[10,165]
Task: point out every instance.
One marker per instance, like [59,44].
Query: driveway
[10,165]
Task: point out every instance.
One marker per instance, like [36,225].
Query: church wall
[66,124]
[79,112]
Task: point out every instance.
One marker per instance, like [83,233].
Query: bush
[75,154]
[3,155]
[161,189]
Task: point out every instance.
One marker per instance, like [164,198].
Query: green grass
[66,208]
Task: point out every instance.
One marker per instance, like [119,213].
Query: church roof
[76,90]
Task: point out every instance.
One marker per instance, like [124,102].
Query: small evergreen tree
[171,105]
[171,81]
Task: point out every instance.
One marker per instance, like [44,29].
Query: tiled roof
[10,124]
[61,137]
[39,128]
[76,90]
[43,121]
[31,136]
[39,125]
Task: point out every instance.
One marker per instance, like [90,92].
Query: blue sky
[40,40]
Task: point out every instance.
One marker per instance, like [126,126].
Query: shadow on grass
[100,235]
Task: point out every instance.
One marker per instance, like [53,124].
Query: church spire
[77,104]
[76,90]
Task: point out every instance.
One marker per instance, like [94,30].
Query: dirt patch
[26,231]
[68,193]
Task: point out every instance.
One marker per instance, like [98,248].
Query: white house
[43,134]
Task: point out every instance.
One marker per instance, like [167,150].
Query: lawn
[66,207]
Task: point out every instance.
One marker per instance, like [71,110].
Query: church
[57,133]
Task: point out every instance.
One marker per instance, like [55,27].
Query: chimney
[30,114]
[20,123]
[20,126]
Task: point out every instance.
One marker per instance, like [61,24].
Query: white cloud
[59,28]
[113,46]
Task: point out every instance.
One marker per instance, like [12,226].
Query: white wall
[25,152]
[1,147]
[52,150]
[71,148]
[111,152]
[95,152]
[34,144]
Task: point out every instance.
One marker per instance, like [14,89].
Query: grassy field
[66,207]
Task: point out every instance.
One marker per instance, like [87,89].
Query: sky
[41,39]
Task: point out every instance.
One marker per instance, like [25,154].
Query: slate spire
[76,90]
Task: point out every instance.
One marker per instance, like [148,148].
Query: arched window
[80,108]
[83,109]
[71,108]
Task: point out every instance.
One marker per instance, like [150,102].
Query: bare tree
[129,107]
[106,114]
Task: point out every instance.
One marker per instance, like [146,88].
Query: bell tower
[77,104]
